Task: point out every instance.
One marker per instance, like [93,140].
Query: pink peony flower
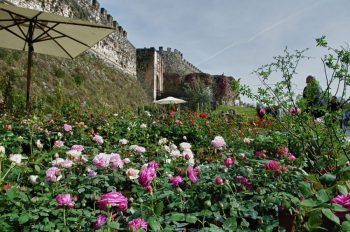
[218,143]
[98,139]
[67,128]
[77,147]
[53,175]
[65,200]
[172,114]
[291,157]
[113,199]
[243,181]
[101,160]
[343,201]
[281,150]
[58,144]
[176,181]
[229,162]
[116,161]
[192,174]
[100,221]
[146,176]
[137,224]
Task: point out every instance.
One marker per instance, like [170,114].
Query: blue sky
[235,37]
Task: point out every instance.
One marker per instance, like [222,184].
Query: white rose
[33,179]
[16,158]
[2,150]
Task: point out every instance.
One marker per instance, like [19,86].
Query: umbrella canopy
[170,100]
[46,33]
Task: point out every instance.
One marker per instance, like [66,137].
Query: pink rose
[58,144]
[218,181]
[98,139]
[146,176]
[113,199]
[281,150]
[65,200]
[101,160]
[137,224]
[294,110]
[77,147]
[343,201]
[243,181]
[116,161]
[176,181]
[100,221]
[67,128]
[291,157]
[229,162]
[218,143]
[272,165]
[192,174]
[53,175]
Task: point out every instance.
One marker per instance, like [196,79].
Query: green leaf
[230,224]
[305,188]
[331,216]
[11,193]
[309,203]
[23,218]
[191,219]
[338,208]
[154,224]
[177,217]
[345,226]
[342,189]
[159,208]
[322,196]
[114,225]
[37,168]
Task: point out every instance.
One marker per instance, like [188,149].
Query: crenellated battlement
[177,57]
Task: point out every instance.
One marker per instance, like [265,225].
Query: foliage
[198,95]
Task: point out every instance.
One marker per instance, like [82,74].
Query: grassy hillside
[84,82]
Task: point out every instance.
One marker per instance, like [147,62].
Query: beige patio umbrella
[46,33]
[170,100]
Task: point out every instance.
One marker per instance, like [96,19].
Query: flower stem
[64,217]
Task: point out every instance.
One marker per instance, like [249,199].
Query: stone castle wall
[116,50]
[175,63]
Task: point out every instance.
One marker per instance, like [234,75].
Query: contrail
[267,29]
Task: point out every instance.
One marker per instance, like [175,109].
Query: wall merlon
[125,34]
[168,49]
[120,29]
[160,49]
[103,12]
[95,4]
[109,18]
[115,24]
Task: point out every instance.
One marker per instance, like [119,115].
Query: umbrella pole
[29,70]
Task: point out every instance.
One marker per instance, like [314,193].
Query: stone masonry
[116,50]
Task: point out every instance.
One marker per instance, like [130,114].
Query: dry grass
[86,81]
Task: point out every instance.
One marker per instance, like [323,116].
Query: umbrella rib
[62,34]
[42,26]
[6,28]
